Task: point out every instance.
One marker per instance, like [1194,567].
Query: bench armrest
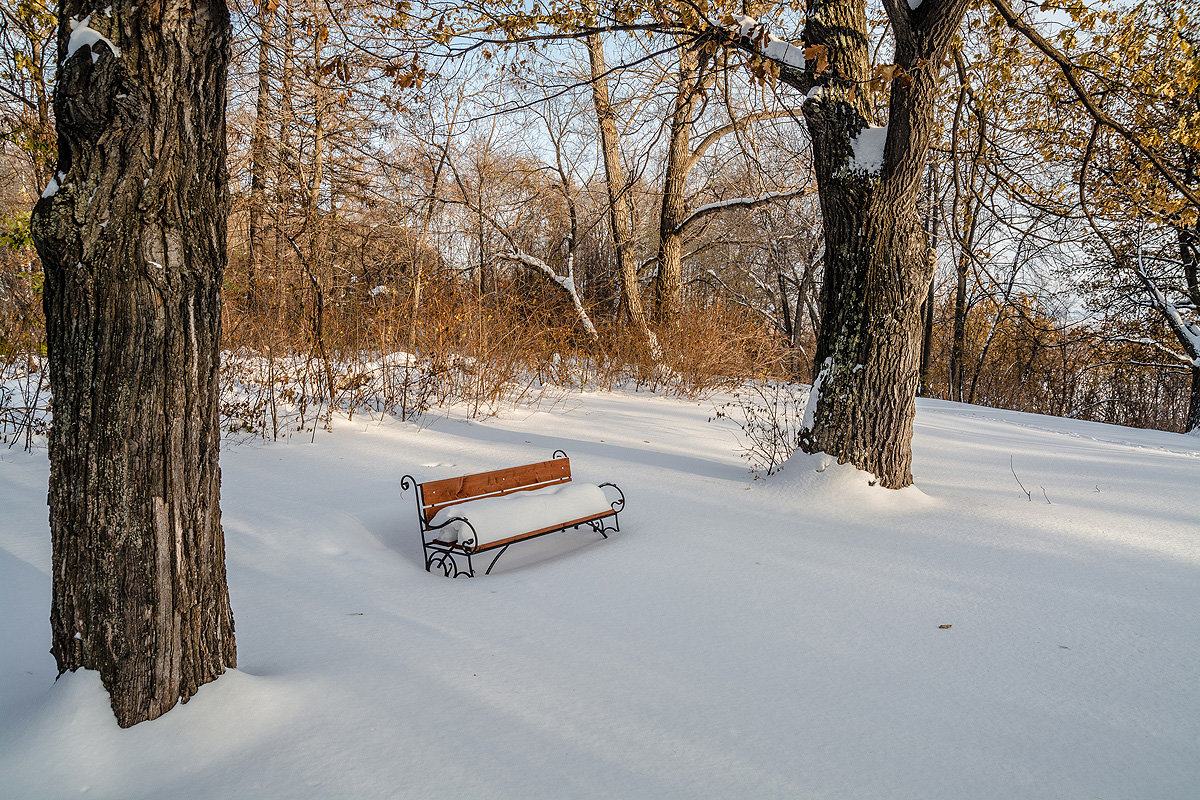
[467,544]
[619,504]
[409,482]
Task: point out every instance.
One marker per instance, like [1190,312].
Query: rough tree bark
[131,233]
[877,265]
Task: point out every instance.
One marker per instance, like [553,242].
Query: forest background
[424,212]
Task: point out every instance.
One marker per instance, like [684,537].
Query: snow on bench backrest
[436,495]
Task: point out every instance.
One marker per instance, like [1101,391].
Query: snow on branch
[567,284]
[736,202]
[751,36]
[769,45]
[1157,345]
[1188,333]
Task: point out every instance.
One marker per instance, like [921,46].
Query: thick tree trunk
[617,184]
[133,247]
[877,265]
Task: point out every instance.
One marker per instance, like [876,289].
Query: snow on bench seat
[485,511]
[511,515]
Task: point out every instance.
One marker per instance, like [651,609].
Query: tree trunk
[1193,415]
[322,283]
[668,280]
[1189,254]
[785,308]
[259,145]
[287,166]
[877,265]
[422,244]
[42,154]
[133,247]
[617,184]
[927,341]
[935,206]
[966,239]
[958,334]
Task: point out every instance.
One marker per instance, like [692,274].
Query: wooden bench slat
[451,491]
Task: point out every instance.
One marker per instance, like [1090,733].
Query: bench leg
[494,560]
[448,565]
[601,526]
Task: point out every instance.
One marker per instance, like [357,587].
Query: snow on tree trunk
[133,246]
[877,264]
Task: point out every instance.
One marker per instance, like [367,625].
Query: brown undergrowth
[288,368]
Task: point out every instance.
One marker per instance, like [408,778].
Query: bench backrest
[436,495]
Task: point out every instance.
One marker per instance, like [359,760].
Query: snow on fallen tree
[567,284]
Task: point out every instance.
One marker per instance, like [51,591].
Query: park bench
[473,514]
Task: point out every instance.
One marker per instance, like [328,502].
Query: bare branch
[738,202]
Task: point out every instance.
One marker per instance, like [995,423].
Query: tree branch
[739,202]
[1070,72]
[712,138]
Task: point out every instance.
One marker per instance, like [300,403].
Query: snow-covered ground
[740,638]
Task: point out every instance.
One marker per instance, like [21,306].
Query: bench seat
[521,513]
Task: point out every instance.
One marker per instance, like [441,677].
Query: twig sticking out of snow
[1028,496]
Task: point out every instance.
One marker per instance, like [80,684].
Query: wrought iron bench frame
[497,483]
